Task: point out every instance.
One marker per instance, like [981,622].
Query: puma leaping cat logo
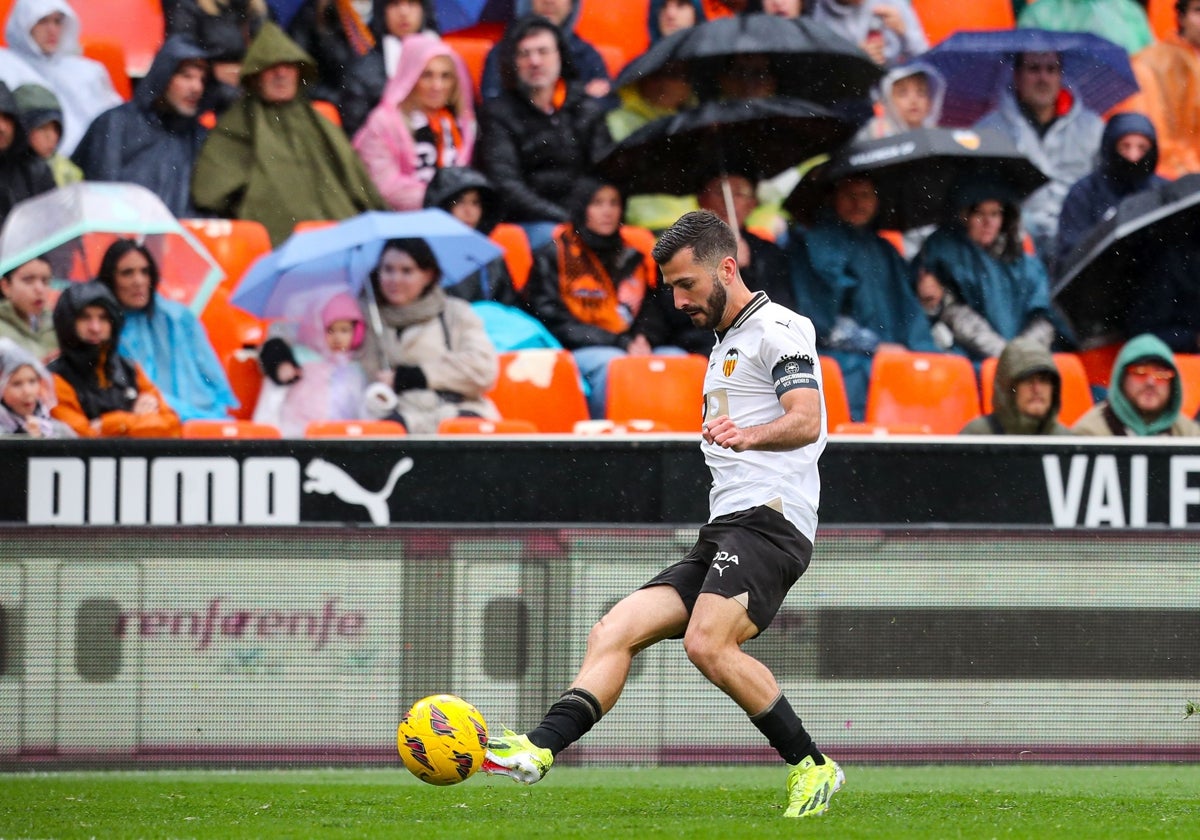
[324,477]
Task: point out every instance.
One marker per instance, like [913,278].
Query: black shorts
[753,556]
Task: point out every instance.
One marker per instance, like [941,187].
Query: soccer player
[763,431]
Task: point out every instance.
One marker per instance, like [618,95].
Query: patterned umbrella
[977,66]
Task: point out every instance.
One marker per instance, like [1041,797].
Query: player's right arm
[799,425]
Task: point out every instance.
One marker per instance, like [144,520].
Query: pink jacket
[385,142]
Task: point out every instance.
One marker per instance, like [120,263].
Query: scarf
[587,287]
[427,307]
[358,36]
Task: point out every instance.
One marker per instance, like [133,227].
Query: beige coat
[446,339]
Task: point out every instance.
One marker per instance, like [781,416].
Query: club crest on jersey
[731,360]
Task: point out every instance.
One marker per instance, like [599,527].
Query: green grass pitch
[1015,801]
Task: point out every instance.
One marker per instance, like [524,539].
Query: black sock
[785,732]
[568,720]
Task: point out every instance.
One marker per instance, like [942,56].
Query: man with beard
[1145,397]
[764,429]
[155,138]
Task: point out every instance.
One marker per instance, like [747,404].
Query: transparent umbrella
[73,226]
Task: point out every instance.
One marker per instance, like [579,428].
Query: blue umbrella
[453,15]
[977,66]
[341,256]
[284,10]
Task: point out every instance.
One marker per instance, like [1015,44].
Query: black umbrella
[809,60]
[757,138]
[914,172]
[1099,278]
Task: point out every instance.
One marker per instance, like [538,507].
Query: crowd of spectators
[223,125]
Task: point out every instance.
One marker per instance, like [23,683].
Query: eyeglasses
[1151,372]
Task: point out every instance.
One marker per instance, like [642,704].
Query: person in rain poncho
[43,48]
[1128,158]
[1026,394]
[887,30]
[908,97]
[855,287]
[327,381]
[1123,22]
[425,121]
[27,395]
[274,159]
[164,337]
[974,278]
[154,139]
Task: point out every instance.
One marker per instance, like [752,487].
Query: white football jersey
[766,347]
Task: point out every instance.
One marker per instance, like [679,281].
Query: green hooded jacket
[1022,357]
[1116,415]
[279,164]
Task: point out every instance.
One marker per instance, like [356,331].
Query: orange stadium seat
[518,256]
[1162,18]
[617,28]
[138,27]
[1076,391]
[473,50]
[212,429]
[1098,362]
[942,18]
[234,243]
[312,224]
[234,334]
[1189,374]
[328,110]
[837,404]
[481,426]
[879,429]
[668,390]
[542,386]
[933,389]
[354,428]
[112,55]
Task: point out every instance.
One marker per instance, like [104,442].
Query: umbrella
[809,60]
[977,66]
[342,255]
[71,227]
[755,137]
[1099,278]
[914,171]
[453,15]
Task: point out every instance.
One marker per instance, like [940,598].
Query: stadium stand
[617,28]
[234,243]
[1076,390]
[837,405]
[922,388]
[668,390]
[1189,374]
[942,18]
[214,429]
[138,28]
[542,386]
[112,55]
[354,428]
[482,426]
[518,256]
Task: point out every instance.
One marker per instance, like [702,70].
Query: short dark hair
[710,239]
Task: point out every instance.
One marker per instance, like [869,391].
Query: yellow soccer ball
[442,739]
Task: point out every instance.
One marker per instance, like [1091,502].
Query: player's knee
[703,650]
[605,634]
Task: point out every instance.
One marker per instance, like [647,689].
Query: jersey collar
[756,303]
